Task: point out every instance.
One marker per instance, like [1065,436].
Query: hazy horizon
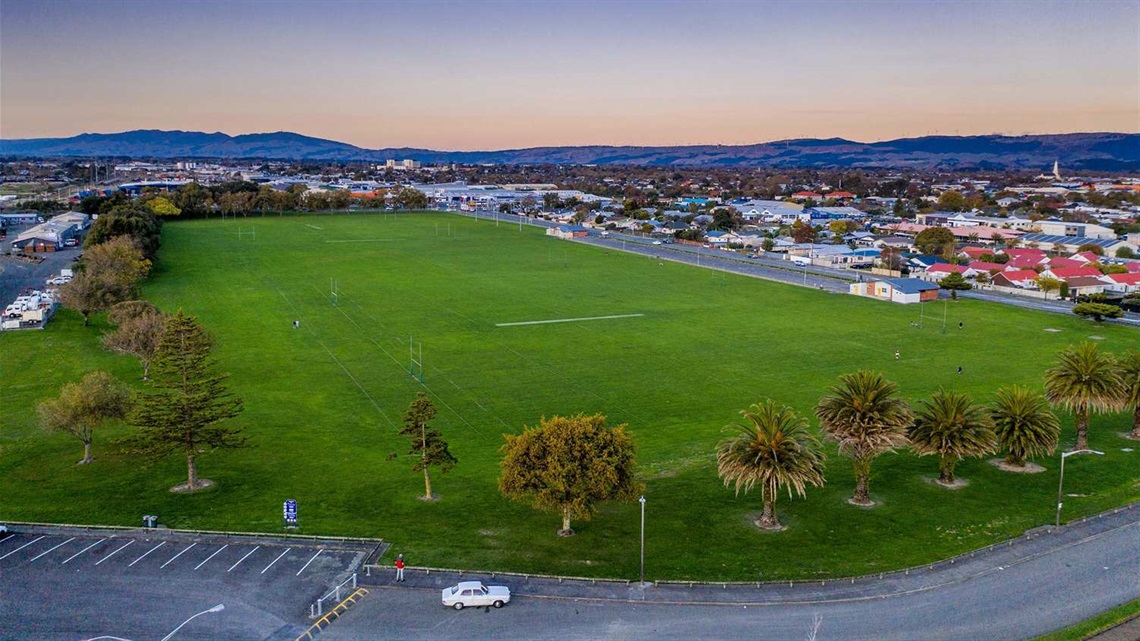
[508,75]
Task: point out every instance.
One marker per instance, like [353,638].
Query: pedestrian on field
[296,324]
[959,369]
[959,324]
[896,354]
[400,567]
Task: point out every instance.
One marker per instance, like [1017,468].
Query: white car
[59,280]
[656,242]
[475,594]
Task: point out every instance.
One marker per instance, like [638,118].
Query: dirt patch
[956,485]
[754,517]
[1029,468]
[862,505]
[1128,435]
[183,488]
[429,499]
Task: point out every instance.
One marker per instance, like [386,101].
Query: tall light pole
[641,580]
[217,608]
[1061,482]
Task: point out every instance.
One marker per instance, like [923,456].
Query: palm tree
[1025,425]
[774,450]
[1084,380]
[951,427]
[1130,373]
[865,417]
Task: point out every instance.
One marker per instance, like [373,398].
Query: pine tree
[186,412]
[427,443]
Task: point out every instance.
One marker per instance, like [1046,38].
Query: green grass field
[323,402]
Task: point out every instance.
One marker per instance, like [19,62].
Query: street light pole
[1061,481]
[641,580]
[217,608]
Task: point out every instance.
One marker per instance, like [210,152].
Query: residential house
[1065,273]
[1126,283]
[897,290]
[567,231]
[1088,285]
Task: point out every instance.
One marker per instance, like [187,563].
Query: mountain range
[1076,152]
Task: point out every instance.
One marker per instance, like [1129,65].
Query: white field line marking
[83,550]
[129,543]
[567,320]
[55,548]
[146,553]
[363,240]
[176,556]
[275,560]
[243,558]
[211,556]
[315,227]
[307,564]
[19,548]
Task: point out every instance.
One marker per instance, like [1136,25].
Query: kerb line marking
[567,320]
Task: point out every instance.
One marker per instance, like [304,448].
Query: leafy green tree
[139,326]
[1089,247]
[1129,364]
[773,449]
[1097,311]
[162,207]
[954,282]
[1047,284]
[409,198]
[187,412]
[83,407]
[951,201]
[110,273]
[866,418]
[803,232]
[934,240]
[1025,426]
[428,445]
[950,427]
[1125,252]
[128,219]
[1084,380]
[569,466]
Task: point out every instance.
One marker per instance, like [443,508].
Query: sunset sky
[494,75]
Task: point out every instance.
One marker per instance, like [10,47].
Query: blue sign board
[291,511]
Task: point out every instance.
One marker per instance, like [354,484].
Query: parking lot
[142,584]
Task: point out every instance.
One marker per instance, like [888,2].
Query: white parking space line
[52,549]
[19,548]
[128,544]
[8,538]
[307,564]
[145,554]
[211,556]
[275,560]
[83,550]
[176,556]
[243,558]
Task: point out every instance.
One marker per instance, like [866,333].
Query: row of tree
[863,414]
[187,405]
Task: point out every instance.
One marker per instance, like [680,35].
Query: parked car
[475,594]
[59,280]
[656,242]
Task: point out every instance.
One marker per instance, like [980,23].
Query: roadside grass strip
[568,320]
[125,546]
[19,548]
[82,551]
[44,553]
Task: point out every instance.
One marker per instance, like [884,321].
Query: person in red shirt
[399,567]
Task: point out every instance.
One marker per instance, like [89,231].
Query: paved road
[68,584]
[1034,585]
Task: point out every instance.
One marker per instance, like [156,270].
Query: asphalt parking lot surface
[142,584]
[17,274]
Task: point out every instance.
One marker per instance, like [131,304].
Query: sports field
[514,325]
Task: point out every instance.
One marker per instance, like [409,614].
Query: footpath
[1034,544]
